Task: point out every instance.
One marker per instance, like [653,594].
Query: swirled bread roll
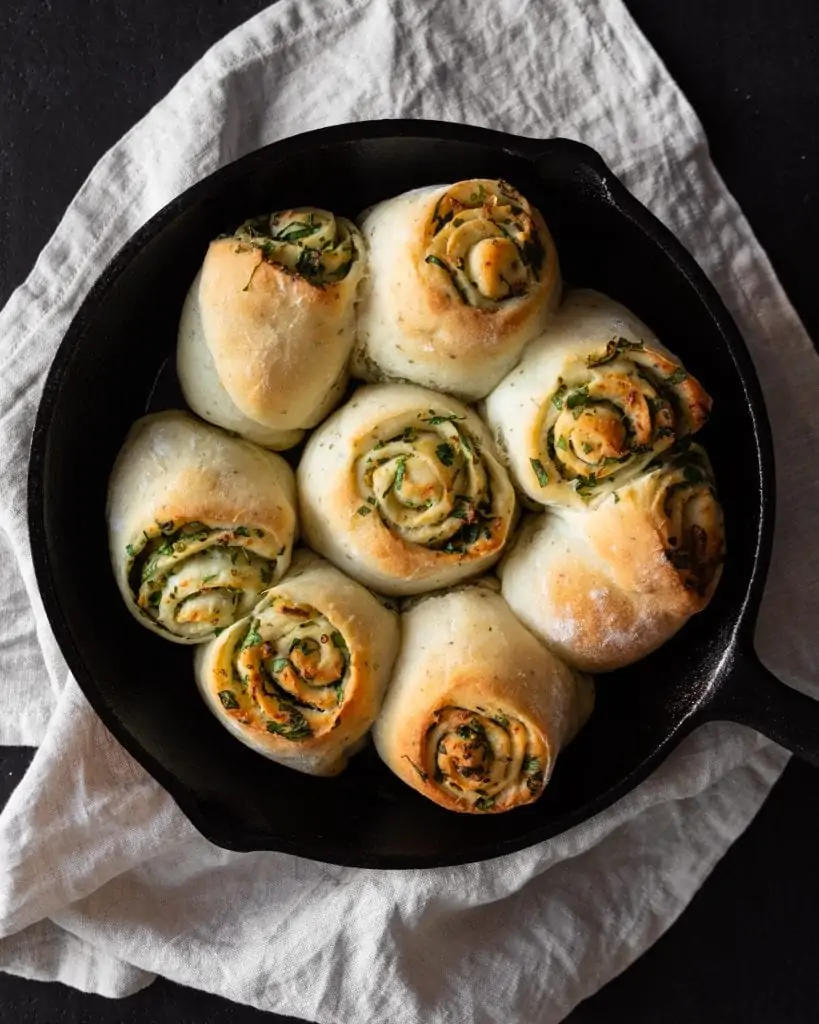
[268,325]
[401,489]
[608,587]
[478,708]
[592,402]
[461,278]
[199,525]
[302,678]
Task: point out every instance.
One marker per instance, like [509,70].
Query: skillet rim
[737,649]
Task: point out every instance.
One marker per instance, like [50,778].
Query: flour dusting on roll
[200,524]
[591,403]
[269,323]
[301,679]
[605,588]
[478,708]
[402,489]
[461,278]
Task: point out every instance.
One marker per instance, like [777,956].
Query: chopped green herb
[501,720]
[445,453]
[540,472]
[363,510]
[558,396]
[155,598]
[130,550]
[228,699]
[309,263]
[338,640]
[252,637]
[436,262]
[562,443]
[296,727]
[434,420]
[530,764]
[577,399]
[613,349]
[241,531]
[279,665]
[587,447]
[485,803]
[677,377]
[421,773]
[209,579]
[398,479]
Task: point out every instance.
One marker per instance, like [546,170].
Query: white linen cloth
[103,883]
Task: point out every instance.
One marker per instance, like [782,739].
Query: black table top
[75,76]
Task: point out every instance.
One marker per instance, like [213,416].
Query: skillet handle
[755,697]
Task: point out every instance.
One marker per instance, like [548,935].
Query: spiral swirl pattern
[688,517]
[403,490]
[312,243]
[428,483]
[601,424]
[287,671]
[482,758]
[483,236]
[193,581]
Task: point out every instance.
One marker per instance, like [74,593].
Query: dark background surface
[76,74]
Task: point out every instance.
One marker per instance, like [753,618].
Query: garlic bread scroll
[461,278]
[302,678]
[401,488]
[268,325]
[591,403]
[478,708]
[199,525]
[605,588]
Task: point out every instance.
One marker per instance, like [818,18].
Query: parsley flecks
[436,262]
[252,637]
[501,720]
[577,399]
[242,531]
[677,377]
[279,665]
[130,550]
[614,348]
[363,510]
[540,472]
[228,699]
[209,579]
[435,420]
[295,728]
[530,764]
[338,640]
[562,443]
[445,453]
[558,396]
[485,803]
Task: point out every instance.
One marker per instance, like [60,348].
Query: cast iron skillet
[142,687]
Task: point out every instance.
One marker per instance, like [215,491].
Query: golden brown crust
[440,480]
[606,588]
[415,321]
[332,610]
[199,523]
[478,709]
[258,318]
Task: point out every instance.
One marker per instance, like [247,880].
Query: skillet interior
[143,687]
